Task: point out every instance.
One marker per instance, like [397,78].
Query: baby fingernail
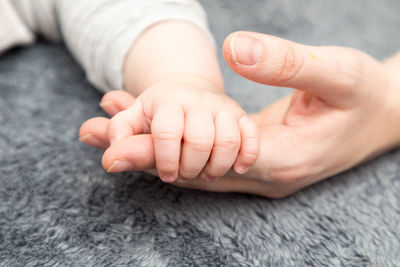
[91,140]
[109,107]
[167,178]
[106,103]
[85,137]
[241,169]
[120,166]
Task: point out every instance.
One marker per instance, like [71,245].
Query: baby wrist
[211,84]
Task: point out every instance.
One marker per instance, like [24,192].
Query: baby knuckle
[167,166]
[199,144]
[228,143]
[165,135]
[249,156]
[252,144]
[252,134]
[119,117]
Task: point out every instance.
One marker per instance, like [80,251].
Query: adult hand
[343,111]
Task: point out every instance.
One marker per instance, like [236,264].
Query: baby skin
[196,129]
[343,111]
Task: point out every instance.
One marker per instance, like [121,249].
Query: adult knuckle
[350,68]
[289,65]
[282,177]
[273,192]
[289,174]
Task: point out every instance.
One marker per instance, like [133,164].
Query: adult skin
[344,110]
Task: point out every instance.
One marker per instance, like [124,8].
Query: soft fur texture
[58,207]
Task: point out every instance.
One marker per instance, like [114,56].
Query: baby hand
[195,130]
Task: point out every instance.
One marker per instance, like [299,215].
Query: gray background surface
[58,207]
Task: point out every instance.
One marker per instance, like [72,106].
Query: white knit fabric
[12,30]
[99,33]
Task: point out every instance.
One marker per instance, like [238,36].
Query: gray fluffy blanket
[58,207]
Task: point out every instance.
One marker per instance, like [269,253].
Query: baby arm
[196,128]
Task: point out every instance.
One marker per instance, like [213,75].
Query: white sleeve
[99,33]
[12,30]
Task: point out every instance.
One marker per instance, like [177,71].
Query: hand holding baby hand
[344,110]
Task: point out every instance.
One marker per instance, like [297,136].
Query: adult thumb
[332,73]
